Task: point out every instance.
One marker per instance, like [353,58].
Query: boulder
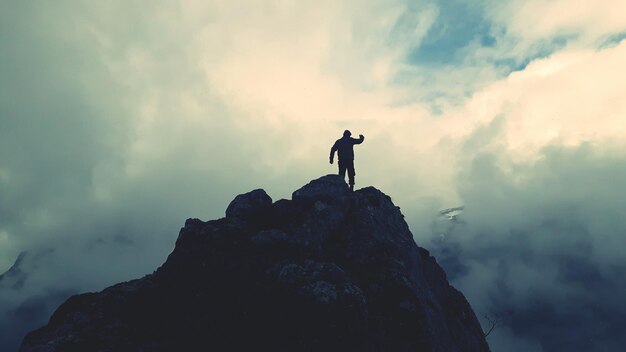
[326,188]
[251,205]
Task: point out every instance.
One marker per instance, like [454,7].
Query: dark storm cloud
[542,243]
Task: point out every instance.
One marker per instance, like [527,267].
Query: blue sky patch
[457,24]
[613,40]
[542,50]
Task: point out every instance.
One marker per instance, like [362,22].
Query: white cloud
[569,98]
[537,19]
[169,110]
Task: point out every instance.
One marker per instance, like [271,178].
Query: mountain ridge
[329,269]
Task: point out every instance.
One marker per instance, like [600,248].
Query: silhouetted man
[343,147]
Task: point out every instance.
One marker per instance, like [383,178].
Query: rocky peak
[328,270]
[14,277]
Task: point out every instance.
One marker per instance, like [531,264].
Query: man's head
[347,133]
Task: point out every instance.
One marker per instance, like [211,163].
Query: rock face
[329,270]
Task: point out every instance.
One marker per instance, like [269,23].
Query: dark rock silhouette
[329,270]
[344,147]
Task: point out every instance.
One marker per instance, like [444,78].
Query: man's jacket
[343,147]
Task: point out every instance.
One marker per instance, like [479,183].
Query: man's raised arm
[358,141]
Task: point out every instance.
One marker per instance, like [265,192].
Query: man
[343,147]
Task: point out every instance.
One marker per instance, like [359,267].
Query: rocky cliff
[329,270]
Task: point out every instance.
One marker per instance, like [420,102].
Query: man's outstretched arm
[358,141]
[332,152]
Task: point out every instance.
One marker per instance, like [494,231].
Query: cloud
[571,97]
[119,120]
[535,19]
[544,244]
[541,230]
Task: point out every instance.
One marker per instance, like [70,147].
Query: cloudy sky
[120,119]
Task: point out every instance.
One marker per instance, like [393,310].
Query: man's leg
[342,168]
[351,174]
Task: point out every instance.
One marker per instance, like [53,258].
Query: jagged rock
[330,270]
[327,188]
[248,205]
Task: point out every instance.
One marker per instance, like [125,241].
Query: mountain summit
[329,270]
